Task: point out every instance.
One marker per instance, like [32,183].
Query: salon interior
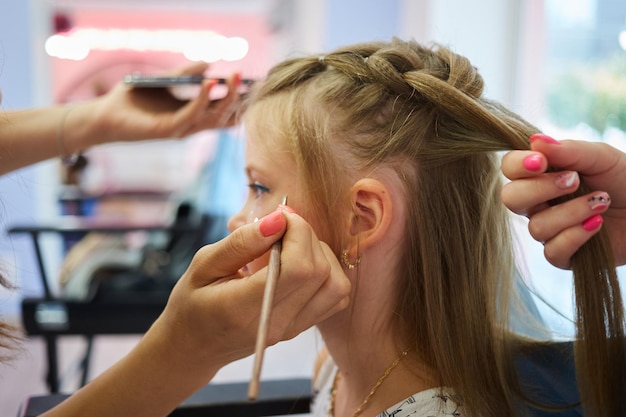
[62,51]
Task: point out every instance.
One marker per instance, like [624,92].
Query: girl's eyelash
[258,188]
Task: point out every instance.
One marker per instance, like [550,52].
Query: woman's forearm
[150,381]
[34,135]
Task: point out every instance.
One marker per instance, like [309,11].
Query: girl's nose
[244,216]
[237,220]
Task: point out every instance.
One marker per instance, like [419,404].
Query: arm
[123,114]
[211,319]
[565,227]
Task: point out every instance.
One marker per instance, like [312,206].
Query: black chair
[282,397]
[122,301]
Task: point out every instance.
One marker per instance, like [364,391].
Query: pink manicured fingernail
[272,223]
[283,207]
[544,138]
[567,180]
[593,222]
[599,201]
[532,162]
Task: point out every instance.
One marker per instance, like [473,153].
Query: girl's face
[271,172]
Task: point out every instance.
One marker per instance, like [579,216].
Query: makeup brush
[266,309]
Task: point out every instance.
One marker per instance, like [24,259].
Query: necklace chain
[359,410]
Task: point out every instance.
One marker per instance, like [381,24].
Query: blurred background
[561,64]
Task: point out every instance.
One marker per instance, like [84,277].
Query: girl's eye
[258,189]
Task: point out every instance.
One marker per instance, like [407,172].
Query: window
[584,90]
[585,78]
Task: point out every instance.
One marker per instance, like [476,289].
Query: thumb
[588,158]
[224,258]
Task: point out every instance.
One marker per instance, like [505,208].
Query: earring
[346,262]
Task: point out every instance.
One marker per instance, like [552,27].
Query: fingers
[312,285]
[220,315]
[329,299]
[529,195]
[310,288]
[203,113]
[188,116]
[224,111]
[530,188]
[522,164]
[546,224]
[565,227]
[196,68]
[248,242]
[560,249]
[588,158]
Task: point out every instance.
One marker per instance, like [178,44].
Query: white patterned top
[434,402]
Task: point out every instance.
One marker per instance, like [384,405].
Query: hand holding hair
[565,227]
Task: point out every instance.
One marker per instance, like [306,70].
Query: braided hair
[420,111]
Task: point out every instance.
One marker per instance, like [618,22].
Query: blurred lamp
[195,45]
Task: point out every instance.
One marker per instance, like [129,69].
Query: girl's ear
[371,212]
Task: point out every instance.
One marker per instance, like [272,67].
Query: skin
[265,165]
[370,318]
[601,167]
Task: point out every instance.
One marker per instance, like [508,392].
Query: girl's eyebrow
[253,171]
[250,169]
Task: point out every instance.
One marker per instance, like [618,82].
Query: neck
[396,383]
[364,335]
[364,341]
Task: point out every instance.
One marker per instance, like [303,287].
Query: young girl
[389,151]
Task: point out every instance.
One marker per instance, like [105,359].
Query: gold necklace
[359,410]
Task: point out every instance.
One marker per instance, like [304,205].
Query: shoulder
[547,373]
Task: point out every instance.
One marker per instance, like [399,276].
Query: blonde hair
[420,111]
[10,337]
